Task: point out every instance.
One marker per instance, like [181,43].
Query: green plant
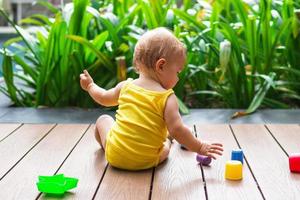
[289,68]
[254,39]
[239,55]
[51,64]
[123,23]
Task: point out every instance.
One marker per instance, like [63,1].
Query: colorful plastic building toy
[204,160]
[233,170]
[294,162]
[237,155]
[57,184]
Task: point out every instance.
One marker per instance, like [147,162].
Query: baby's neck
[148,82]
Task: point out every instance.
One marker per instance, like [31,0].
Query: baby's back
[140,129]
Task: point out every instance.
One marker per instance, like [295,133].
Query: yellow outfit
[136,139]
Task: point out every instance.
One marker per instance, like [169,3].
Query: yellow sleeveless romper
[136,139]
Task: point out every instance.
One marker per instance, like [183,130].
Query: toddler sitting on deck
[147,107]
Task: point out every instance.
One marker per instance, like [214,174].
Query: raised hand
[85,80]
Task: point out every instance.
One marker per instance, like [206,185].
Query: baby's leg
[165,152]
[103,125]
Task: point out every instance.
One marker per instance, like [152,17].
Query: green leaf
[98,42]
[126,20]
[259,97]
[149,15]
[102,57]
[26,68]
[29,40]
[30,21]
[77,16]
[112,31]
[11,41]
[42,18]
[9,78]
[48,5]
[288,69]
[189,19]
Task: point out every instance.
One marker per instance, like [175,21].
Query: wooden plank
[179,177]
[44,159]
[288,135]
[268,162]
[6,129]
[17,145]
[87,163]
[121,184]
[217,186]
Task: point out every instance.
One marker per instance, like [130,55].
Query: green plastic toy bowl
[57,184]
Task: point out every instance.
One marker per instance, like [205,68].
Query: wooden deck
[29,150]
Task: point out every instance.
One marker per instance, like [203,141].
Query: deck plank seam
[202,170]
[248,164]
[151,184]
[204,182]
[12,132]
[282,148]
[28,152]
[38,196]
[101,179]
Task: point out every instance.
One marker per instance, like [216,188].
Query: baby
[147,107]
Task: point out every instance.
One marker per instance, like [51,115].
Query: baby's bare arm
[182,133]
[105,97]
[102,96]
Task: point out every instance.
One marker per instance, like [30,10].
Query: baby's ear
[160,64]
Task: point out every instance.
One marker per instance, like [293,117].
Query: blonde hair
[155,44]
